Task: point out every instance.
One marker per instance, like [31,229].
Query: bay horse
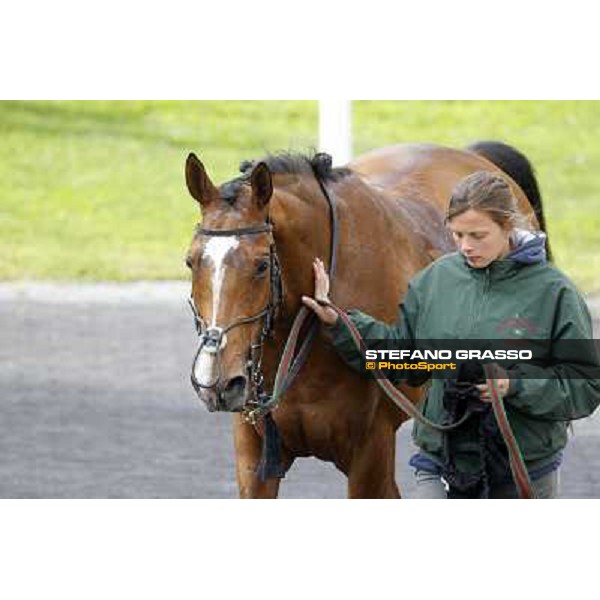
[251,262]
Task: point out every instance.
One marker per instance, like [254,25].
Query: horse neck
[301,217]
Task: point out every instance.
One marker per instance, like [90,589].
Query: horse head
[236,284]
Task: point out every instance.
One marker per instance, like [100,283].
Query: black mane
[319,165]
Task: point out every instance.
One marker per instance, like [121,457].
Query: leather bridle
[260,400]
[212,339]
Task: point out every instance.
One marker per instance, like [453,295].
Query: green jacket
[451,300]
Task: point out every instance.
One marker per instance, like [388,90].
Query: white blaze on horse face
[216,250]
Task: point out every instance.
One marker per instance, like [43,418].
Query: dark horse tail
[517,165]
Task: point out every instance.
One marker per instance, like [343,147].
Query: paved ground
[95,402]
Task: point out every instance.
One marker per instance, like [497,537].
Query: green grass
[95,190]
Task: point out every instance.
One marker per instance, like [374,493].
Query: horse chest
[320,429]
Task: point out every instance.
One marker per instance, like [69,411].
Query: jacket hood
[529,247]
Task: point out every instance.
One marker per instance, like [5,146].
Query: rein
[517,464]
[400,401]
[305,318]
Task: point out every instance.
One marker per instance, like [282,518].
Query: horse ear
[262,184]
[198,183]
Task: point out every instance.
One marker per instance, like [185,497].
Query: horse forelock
[229,190]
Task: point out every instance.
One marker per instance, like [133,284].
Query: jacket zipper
[477,314]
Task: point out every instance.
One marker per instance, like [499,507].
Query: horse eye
[262,267]
[188,262]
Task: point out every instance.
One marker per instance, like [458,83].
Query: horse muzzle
[219,393]
[230,398]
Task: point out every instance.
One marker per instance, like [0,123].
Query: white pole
[335,129]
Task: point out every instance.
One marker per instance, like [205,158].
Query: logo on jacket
[517,327]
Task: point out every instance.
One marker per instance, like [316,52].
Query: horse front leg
[372,471]
[248,448]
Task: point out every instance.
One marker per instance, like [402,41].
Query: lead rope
[396,396]
[310,317]
[517,464]
[283,377]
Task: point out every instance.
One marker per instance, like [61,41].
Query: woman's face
[479,238]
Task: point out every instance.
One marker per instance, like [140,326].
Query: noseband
[213,339]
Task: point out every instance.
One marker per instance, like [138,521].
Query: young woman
[497,285]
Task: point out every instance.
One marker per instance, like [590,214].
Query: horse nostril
[235,387]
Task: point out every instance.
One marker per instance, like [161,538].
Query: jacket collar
[529,247]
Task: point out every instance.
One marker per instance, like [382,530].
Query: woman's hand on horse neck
[326,314]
